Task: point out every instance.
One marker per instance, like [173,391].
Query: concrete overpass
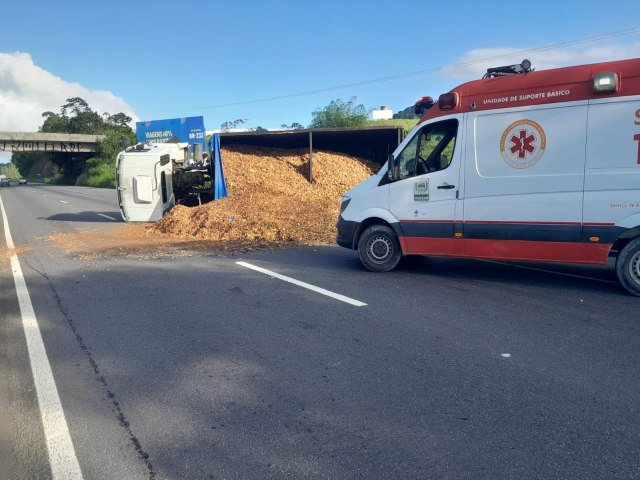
[48,142]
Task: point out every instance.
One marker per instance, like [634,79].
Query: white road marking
[322,291]
[107,216]
[536,269]
[62,456]
[62,201]
[505,355]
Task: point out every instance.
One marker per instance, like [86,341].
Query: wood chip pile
[270,199]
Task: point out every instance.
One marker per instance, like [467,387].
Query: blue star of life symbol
[415,214]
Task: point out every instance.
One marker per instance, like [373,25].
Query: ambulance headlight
[605,82]
[344,203]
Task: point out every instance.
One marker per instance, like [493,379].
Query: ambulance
[520,165]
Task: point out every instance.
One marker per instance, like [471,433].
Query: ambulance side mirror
[392,164]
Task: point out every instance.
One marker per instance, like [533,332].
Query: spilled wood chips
[270,204]
[271,201]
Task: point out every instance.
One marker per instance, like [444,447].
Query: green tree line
[94,169]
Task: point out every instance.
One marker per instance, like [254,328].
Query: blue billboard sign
[188,129]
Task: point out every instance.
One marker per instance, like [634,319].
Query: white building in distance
[384,113]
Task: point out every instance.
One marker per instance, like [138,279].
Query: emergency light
[605,82]
[448,101]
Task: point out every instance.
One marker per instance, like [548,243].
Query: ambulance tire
[379,248]
[628,267]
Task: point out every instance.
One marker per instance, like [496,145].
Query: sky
[274,62]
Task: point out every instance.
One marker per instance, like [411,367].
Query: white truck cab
[144,179]
[521,165]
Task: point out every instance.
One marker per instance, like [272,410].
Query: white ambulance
[521,165]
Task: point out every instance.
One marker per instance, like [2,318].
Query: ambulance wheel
[379,248]
[628,267]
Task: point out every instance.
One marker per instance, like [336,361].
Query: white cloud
[474,63]
[26,90]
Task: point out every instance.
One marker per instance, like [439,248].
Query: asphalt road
[201,367]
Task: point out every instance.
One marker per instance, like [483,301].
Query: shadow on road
[90,216]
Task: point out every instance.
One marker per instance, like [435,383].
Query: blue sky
[165,59]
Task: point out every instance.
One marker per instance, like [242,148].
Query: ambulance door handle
[446,186]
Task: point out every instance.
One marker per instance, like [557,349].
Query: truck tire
[379,248]
[628,267]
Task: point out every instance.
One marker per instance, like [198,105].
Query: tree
[76,104]
[119,119]
[54,123]
[293,126]
[86,122]
[233,124]
[340,114]
[82,119]
[10,170]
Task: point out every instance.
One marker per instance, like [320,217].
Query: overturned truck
[153,177]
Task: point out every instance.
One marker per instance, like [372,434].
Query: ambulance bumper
[346,232]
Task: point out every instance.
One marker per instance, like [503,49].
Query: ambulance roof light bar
[524,67]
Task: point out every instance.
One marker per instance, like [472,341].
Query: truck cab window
[430,149]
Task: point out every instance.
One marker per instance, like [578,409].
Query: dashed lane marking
[308,286]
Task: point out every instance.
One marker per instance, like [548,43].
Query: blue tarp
[219,184]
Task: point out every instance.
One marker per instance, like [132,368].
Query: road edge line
[62,456]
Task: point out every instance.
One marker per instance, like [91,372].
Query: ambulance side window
[430,150]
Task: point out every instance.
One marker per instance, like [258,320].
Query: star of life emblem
[523,143]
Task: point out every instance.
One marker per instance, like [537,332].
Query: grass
[406,124]
[99,175]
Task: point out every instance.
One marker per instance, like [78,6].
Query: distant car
[22,181]
[4,181]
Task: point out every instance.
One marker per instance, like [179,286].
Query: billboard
[188,129]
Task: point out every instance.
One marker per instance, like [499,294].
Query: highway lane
[198,367]
[55,203]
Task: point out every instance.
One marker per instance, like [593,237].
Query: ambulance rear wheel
[379,248]
[628,267]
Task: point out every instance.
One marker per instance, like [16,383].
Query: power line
[543,48]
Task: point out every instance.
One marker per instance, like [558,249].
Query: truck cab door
[424,197]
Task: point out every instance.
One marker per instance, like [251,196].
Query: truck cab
[144,179]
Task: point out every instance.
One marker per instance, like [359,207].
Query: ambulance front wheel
[379,248]
[628,267]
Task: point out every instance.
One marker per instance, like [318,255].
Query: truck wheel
[628,267]
[379,249]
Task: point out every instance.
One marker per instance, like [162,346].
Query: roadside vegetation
[10,171]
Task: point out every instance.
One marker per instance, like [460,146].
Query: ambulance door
[424,198]
[524,183]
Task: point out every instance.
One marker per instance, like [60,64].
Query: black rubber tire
[379,248]
[628,267]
